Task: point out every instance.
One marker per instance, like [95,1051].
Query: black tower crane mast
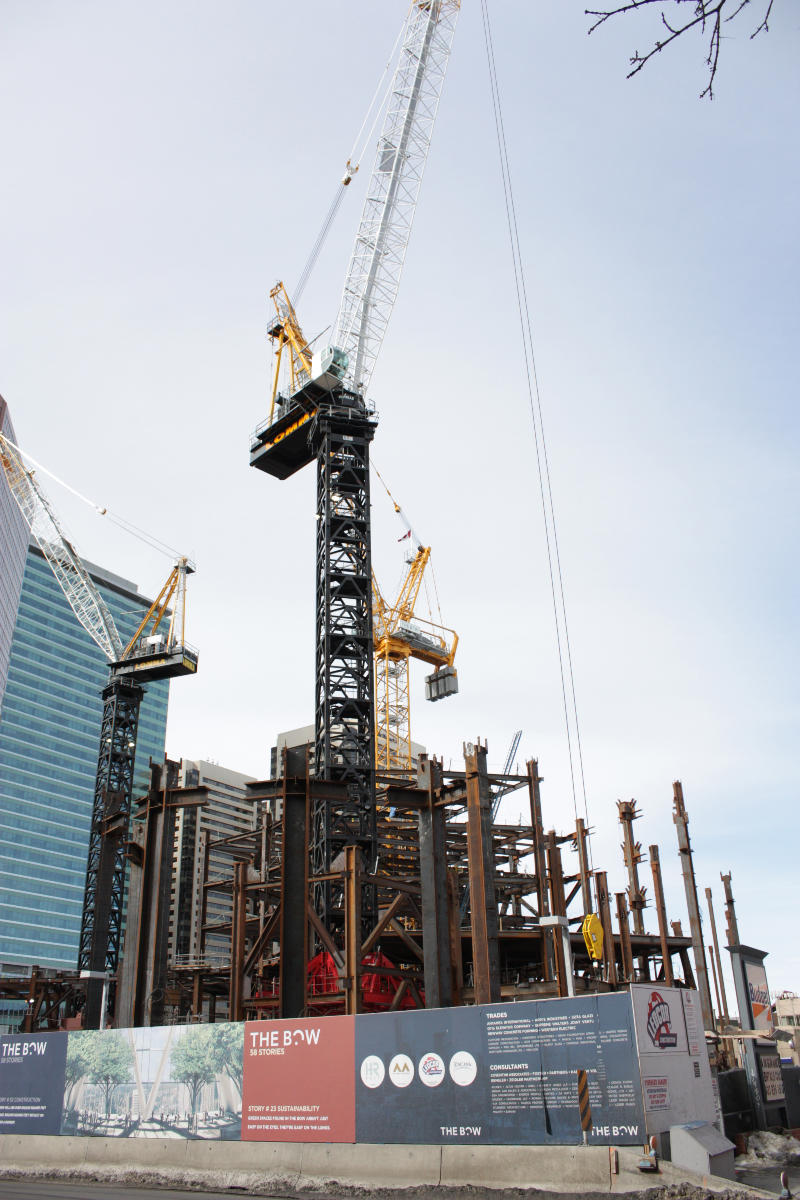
[326,417]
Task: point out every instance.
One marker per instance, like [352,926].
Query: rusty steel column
[581,837]
[661,912]
[352,929]
[714,977]
[238,930]
[150,850]
[540,869]
[483,902]
[716,962]
[534,779]
[293,930]
[454,922]
[730,912]
[436,933]
[197,993]
[558,908]
[632,853]
[624,937]
[604,912]
[681,820]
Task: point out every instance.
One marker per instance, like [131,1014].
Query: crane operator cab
[329,366]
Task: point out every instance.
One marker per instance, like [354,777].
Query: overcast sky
[164,164]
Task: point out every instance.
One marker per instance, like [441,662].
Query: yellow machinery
[399,636]
[592,930]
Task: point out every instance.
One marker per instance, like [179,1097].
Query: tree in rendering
[228,1048]
[194,1062]
[77,1065]
[110,1063]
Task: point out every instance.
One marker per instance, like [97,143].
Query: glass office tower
[49,739]
[13,548]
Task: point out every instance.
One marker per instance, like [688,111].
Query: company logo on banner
[659,1023]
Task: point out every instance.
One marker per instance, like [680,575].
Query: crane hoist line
[157,650]
[324,415]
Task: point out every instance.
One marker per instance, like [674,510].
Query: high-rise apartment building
[229,811]
[49,739]
[13,548]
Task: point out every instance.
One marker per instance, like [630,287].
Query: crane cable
[351,168]
[102,510]
[542,463]
[409,527]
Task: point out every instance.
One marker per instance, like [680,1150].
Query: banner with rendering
[530,1073]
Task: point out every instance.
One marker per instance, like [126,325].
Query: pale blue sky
[163,165]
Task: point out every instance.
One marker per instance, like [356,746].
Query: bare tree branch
[706,15]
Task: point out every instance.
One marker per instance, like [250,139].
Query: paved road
[11,1189]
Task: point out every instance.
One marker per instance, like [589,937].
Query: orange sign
[299,1083]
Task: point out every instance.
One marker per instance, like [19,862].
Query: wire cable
[537,422]
[377,103]
[134,530]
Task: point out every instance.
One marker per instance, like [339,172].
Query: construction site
[373,878]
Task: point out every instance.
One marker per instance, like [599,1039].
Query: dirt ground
[333,1191]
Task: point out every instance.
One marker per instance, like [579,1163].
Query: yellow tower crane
[400,635]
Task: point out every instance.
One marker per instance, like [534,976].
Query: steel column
[722,998]
[238,935]
[483,902]
[436,936]
[681,820]
[352,930]
[604,912]
[294,888]
[661,913]
[624,937]
[732,929]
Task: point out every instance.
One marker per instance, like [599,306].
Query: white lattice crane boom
[373,276]
[84,598]
[282,445]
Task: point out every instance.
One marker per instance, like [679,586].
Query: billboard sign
[31,1082]
[758,997]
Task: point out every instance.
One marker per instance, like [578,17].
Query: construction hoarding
[537,1072]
